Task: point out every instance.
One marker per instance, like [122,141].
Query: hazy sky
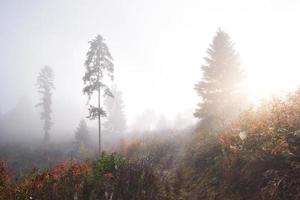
[158,47]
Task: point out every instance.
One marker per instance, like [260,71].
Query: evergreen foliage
[82,136]
[98,65]
[220,87]
[115,122]
[45,86]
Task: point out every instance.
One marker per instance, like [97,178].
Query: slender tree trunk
[99,121]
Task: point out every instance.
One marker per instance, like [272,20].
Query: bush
[256,157]
[110,177]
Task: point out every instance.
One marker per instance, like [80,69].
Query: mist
[177,83]
[144,38]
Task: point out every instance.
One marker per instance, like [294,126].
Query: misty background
[157,48]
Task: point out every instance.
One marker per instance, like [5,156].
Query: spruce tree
[82,136]
[98,65]
[220,87]
[115,122]
[45,86]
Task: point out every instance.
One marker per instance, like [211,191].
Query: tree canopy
[220,87]
[98,65]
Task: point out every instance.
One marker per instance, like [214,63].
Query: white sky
[158,47]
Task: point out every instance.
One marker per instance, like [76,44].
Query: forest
[82,133]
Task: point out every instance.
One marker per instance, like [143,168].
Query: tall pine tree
[45,86]
[220,87]
[98,65]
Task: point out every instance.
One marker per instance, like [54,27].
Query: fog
[157,47]
[149,99]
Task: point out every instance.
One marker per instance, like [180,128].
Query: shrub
[111,177]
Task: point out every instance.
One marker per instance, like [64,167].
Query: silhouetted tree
[98,65]
[82,137]
[220,87]
[45,86]
[116,121]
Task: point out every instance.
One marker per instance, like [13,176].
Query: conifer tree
[98,65]
[115,122]
[82,136]
[220,87]
[45,86]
